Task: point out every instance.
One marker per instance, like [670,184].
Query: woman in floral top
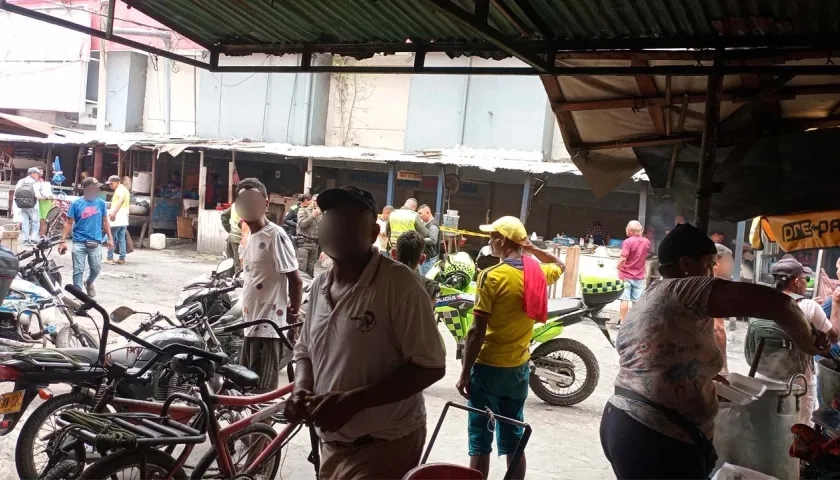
[660,422]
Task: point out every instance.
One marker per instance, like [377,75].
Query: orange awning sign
[799,232]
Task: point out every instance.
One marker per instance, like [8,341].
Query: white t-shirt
[814,313]
[383,322]
[381,239]
[268,255]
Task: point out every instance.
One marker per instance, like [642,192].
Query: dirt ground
[564,444]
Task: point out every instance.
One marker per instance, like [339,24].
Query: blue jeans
[30,219]
[119,242]
[427,265]
[93,257]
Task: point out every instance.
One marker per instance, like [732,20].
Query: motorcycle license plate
[11,402]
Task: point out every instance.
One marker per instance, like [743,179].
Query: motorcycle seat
[231,316]
[87,355]
[562,306]
[239,374]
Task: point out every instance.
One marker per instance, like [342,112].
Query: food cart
[757,424]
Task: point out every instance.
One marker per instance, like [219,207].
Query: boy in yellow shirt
[495,372]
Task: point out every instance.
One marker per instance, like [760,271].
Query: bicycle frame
[219,437]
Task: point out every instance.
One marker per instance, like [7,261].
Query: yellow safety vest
[401,221]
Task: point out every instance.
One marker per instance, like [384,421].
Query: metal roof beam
[788,93]
[43,17]
[477,23]
[535,18]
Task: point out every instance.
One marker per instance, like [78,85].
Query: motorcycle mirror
[224,266]
[120,314]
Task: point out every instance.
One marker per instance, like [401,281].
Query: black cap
[684,241]
[347,195]
[90,181]
[789,267]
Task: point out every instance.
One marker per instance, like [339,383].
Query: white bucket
[142,182]
[157,241]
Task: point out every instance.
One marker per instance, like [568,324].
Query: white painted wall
[185,84]
[374,107]
[43,67]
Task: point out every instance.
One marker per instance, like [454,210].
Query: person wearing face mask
[272,286]
[368,348]
[87,218]
[510,297]
[660,421]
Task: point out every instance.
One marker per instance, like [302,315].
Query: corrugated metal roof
[296,22]
[484,159]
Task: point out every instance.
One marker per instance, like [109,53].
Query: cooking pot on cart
[754,431]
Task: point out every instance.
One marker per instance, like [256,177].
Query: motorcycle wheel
[30,444]
[568,346]
[66,338]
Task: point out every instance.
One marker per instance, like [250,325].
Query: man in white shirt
[118,215]
[791,277]
[368,348]
[272,288]
[382,239]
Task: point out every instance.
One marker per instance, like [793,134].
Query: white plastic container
[157,241]
[141,182]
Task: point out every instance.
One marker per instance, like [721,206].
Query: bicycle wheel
[31,452]
[126,464]
[64,470]
[242,451]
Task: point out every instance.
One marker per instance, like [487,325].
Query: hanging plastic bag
[58,176]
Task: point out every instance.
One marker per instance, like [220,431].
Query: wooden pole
[307,177]
[231,171]
[570,276]
[708,148]
[120,161]
[49,162]
[78,173]
[202,180]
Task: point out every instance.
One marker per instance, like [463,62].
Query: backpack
[25,195]
[780,358]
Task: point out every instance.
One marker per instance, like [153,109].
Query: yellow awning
[798,232]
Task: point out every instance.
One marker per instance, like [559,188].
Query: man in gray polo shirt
[367,350]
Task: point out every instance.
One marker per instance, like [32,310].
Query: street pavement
[565,442]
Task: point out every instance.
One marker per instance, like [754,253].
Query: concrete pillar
[307,176]
[526,200]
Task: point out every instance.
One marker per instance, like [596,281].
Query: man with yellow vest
[404,220]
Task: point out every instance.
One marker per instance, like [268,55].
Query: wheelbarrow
[448,471]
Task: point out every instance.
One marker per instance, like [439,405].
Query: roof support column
[708,146]
[392,173]
[526,200]
[643,193]
[439,200]
[739,250]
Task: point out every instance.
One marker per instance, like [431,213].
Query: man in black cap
[367,350]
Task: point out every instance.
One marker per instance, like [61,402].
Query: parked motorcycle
[36,293]
[85,369]
[564,372]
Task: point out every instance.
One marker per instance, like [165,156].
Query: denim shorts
[633,290]
[503,390]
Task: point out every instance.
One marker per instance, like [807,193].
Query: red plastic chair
[442,471]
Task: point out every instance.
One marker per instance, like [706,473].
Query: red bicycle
[142,443]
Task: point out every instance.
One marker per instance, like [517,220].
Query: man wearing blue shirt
[87,218]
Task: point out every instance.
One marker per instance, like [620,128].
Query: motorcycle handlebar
[88,302]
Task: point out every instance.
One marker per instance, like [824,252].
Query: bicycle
[148,432]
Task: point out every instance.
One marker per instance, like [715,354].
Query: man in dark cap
[365,398]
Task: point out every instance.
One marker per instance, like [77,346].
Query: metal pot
[757,435]
[828,379]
